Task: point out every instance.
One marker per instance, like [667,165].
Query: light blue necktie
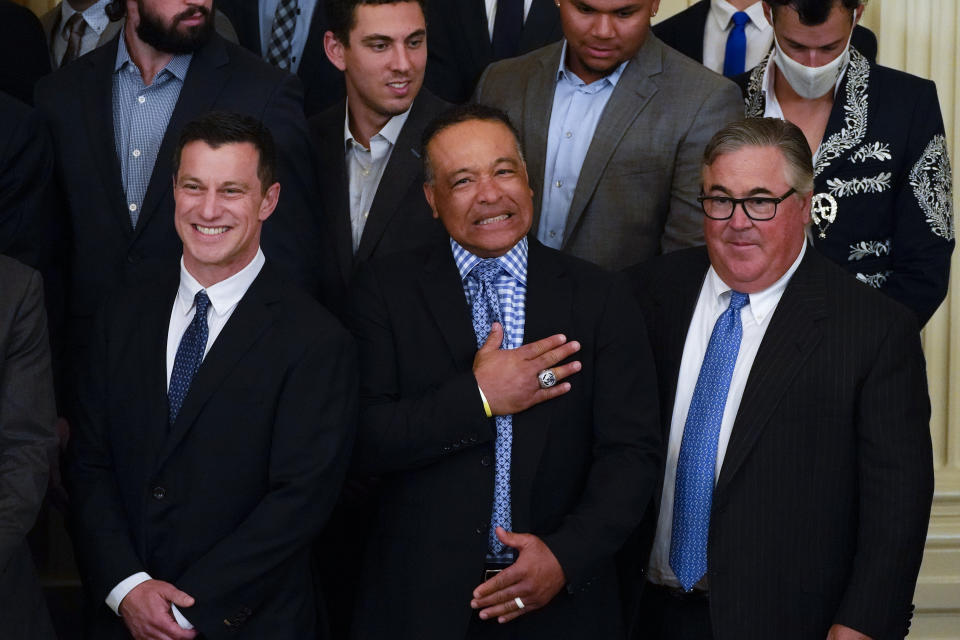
[486,311]
[189,355]
[696,464]
[735,57]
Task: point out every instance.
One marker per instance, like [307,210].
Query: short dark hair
[217,128]
[814,12]
[767,132]
[116,9]
[456,115]
[342,15]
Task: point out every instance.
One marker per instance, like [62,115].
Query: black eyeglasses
[756,207]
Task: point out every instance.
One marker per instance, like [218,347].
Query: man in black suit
[115,150]
[703,31]
[22,51]
[217,418]
[487,464]
[27,439]
[370,169]
[254,21]
[799,473]
[467,35]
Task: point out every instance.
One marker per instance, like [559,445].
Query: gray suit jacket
[636,195]
[26,439]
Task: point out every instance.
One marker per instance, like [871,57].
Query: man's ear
[429,195]
[768,13]
[269,201]
[334,50]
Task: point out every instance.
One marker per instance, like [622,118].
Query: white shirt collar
[390,131]
[762,303]
[722,12]
[95,16]
[223,295]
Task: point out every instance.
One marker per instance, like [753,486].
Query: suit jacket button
[159,493]
[481,528]
[473,437]
[486,461]
[445,448]
[456,445]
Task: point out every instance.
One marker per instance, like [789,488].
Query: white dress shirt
[305,8]
[224,297]
[96,18]
[492,12]
[719,23]
[365,168]
[755,317]
[771,108]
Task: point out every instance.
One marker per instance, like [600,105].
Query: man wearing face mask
[882,204]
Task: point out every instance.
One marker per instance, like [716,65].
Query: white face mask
[811,82]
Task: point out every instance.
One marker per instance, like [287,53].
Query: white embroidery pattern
[877,184]
[875,280]
[754,100]
[867,248]
[855,120]
[932,182]
[877,150]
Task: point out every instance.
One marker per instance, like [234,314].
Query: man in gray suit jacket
[614,123]
[26,439]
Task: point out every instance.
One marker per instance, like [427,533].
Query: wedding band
[547,378]
[519,602]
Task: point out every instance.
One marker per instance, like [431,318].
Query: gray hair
[767,132]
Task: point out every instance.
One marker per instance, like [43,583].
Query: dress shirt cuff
[183,622]
[119,592]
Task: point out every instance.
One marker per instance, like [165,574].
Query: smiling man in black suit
[799,472]
[218,413]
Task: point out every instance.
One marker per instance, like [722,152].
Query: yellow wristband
[486,405]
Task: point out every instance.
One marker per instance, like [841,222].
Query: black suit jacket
[105,251]
[322,82]
[23,51]
[684,32]
[459,46]
[820,511]
[400,218]
[223,503]
[583,465]
[27,441]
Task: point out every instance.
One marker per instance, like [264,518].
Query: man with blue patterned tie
[798,474]
[195,507]
[507,400]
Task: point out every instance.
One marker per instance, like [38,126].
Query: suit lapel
[249,321]
[538,102]
[401,170]
[337,190]
[152,339]
[97,90]
[630,97]
[200,89]
[549,310]
[541,23]
[443,290]
[475,29]
[787,343]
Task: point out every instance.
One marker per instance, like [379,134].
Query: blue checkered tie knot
[696,464]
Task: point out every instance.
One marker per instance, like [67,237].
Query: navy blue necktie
[189,355]
[696,464]
[486,310]
[507,26]
[735,57]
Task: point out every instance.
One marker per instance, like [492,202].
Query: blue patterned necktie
[486,311]
[696,464]
[280,47]
[735,57]
[189,355]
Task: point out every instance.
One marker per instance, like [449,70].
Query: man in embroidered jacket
[882,205]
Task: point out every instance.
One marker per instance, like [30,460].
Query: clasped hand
[508,377]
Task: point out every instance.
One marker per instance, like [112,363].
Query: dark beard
[169,39]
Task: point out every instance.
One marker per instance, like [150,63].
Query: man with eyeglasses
[798,475]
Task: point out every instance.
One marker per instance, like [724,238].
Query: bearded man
[115,117]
